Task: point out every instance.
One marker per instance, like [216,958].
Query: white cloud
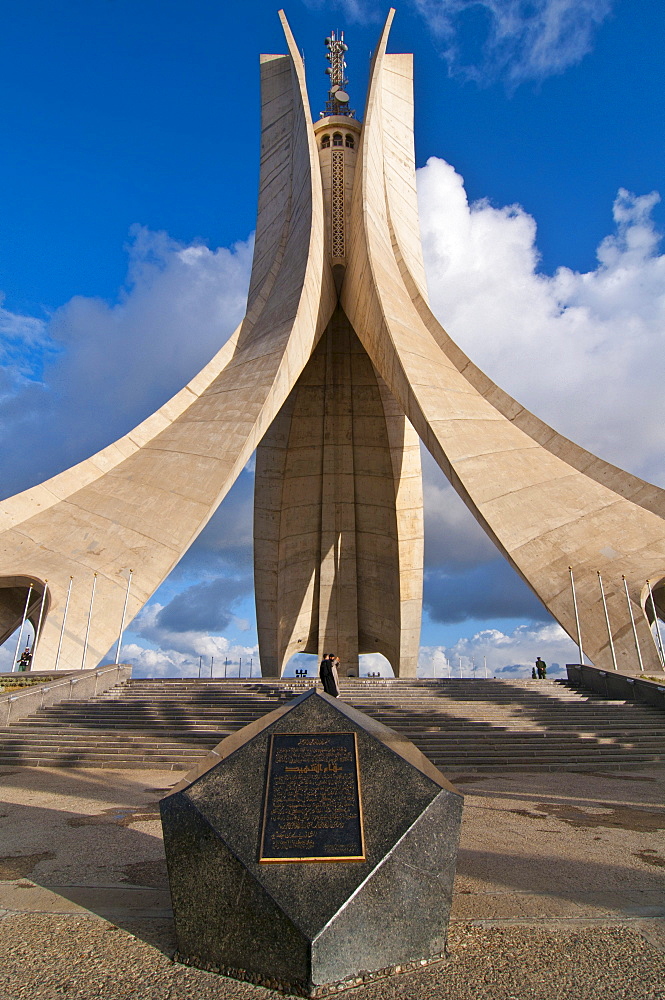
[23,344]
[114,362]
[516,39]
[173,663]
[176,654]
[582,350]
[504,655]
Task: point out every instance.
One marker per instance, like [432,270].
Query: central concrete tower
[338,516]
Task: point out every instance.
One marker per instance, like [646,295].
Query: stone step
[453,712]
[460,726]
[476,725]
[447,764]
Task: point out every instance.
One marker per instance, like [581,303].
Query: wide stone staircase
[474,725]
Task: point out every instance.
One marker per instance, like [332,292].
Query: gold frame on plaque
[355,857]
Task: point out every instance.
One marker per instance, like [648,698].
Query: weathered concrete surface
[568,901]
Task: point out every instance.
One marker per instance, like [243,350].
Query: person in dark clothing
[26,658]
[328,675]
[541,667]
[534,675]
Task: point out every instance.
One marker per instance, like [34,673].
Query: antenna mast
[338,99]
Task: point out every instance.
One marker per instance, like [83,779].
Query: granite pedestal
[311,847]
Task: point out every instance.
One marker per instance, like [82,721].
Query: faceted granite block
[307,923]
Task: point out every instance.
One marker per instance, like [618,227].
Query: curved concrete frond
[542,511]
[140,503]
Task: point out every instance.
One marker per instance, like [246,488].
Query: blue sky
[128,181]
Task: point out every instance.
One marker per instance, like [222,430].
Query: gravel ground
[82,958]
[560,892]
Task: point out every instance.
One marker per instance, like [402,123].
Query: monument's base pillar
[312,848]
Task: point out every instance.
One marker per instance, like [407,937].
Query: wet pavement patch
[616,817]
[21,865]
[118,816]
[612,816]
[650,858]
[528,813]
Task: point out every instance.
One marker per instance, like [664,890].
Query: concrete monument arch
[337,369]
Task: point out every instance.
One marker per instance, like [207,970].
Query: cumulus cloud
[205,606]
[227,660]
[497,654]
[517,40]
[454,541]
[78,380]
[156,649]
[576,348]
[24,347]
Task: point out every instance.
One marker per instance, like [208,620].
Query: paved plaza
[560,891]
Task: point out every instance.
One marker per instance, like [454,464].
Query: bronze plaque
[313,809]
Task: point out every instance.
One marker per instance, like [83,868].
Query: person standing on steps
[328,675]
[336,666]
[26,659]
[541,667]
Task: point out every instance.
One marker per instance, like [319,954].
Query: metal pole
[212,660]
[226,663]
[124,612]
[239,668]
[460,666]
[607,620]
[64,619]
[251,664]
[577,617]
[200,662]
[655,619]
[39,626]
[87,629]
[20,633]
[632,622]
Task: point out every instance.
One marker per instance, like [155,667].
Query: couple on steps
[329,675]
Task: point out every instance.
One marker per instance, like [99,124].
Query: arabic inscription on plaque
[312,809]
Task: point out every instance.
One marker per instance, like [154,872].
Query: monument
[311,848]
[335,372]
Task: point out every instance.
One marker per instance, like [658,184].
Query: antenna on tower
[338,98]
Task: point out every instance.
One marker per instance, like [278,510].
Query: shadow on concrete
[591,740]
[57,859]
[583,882]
